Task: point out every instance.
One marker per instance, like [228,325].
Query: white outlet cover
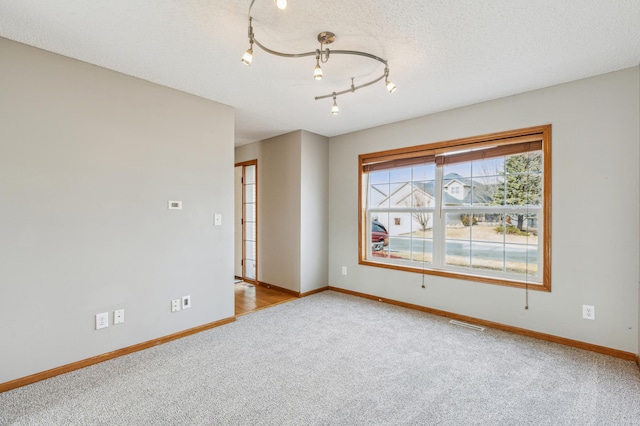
[186,302]
[588,312]
[175,305]
[118,316]
[102,320]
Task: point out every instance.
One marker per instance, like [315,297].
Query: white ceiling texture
[442,54]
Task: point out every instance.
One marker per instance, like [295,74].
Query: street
[481,250]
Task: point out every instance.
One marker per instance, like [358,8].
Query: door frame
[245,164]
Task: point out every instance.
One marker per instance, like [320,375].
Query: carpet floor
[334,359]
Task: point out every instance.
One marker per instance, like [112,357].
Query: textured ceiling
[442,54]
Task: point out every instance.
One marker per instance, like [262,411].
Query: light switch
[217,219]
[175,205]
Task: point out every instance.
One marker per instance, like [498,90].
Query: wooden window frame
[504,143]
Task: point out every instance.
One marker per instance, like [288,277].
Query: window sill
[546,287]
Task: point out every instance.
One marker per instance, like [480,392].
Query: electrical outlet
[186,302]
[588,312]
[344,270]
[118,316]
[175,305]
[102,320]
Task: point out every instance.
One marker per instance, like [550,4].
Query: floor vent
[464,324]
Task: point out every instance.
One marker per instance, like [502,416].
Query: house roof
[479,194]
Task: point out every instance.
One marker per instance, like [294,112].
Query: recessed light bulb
[281,4]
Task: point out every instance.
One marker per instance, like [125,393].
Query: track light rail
[322,56]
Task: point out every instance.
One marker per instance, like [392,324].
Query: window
[476,208]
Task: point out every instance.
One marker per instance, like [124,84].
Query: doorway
[246,221]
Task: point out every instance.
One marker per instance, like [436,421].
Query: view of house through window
[472,208]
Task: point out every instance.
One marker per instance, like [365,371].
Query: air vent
[464,324]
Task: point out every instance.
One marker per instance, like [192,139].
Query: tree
[521,183]
[423,218]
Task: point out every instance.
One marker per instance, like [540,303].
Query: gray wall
[292,209]
[278,208]
[595,211]
[314,230]
[88,160]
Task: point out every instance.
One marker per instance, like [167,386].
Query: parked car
[379,236]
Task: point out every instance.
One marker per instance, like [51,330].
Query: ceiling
[442,54]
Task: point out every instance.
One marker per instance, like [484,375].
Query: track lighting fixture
[317,72]
[322,56]
[248,55]
[390,86]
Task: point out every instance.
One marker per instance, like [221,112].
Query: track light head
[248,56]
[317,72]
[390,86]
[334,109]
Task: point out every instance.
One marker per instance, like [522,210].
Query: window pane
[379,196]
[400,224]
[521,243]
[488,256]
[381,176]
[425,172]
[485,191]
[456,190]
[249,231]
[424,194]
[400,195]
[523,179]
[250,174]
[460,169]
[422,250]
[378,234]
[250,212]
[521,259]
[411,236]
[488,167]
[399,236]
[422,236]
[407,239]
[250,192]
[400,175]
[250,269]
[250,250]
[457,239]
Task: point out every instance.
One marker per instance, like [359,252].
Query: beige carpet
[333,359]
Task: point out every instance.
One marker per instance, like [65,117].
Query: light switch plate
[217,219]
[175,205]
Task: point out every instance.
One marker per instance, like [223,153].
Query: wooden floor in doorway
[250,298]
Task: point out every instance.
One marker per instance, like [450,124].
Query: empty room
[335,213]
